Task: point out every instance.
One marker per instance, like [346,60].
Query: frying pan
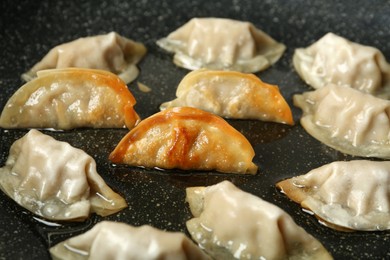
[30,28]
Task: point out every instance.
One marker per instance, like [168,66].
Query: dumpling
[71,98]
[222,44]
[347,120]
[229,223]
[233,95]
[114,240]
[353,195]
[56,181]
[334,59]
[110,52]
[186,138]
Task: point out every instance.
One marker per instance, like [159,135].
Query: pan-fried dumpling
[232,224]
[222,44]
[71,98]
[54,180]
[347,120]
[233,95]
[334,59]
[114,240]
[110,52]
[352,195]
[186,138]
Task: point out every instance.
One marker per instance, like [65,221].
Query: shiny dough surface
[222,44]
[352,195]
[232,224]
[56,181]
[115,240]
[347,120]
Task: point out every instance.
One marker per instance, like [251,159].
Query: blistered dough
[114,240]
[336,60]
[71,98]
[110,52]
[347,120]
[232,94]
[186,138]
[222,44]
[56,181]
[352,195]
[232,224]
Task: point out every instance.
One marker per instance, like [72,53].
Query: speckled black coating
[28,29]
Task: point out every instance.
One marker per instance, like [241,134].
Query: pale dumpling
[232,224]
[110,52]
[334,59]
[188,139]
[232,94]
[115,240]
[347,120]
[222,44]
[56,181]
[71,98]
[352,195]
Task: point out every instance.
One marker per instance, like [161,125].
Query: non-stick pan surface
[28,29]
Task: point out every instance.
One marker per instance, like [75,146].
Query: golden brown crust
[186,138]
[113,106]
[217,92]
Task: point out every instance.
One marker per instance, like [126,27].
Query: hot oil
[55,232]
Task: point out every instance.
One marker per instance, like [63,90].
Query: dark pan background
[30,28]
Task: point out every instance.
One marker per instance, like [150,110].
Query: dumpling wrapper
[186,138]
[56,181]
[110,52]
[232,94]
[336,60]
[347,120]
[222,44]
[71,98]
[113,240]
[352,195]
[232,224]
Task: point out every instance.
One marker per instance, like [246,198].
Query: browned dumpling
[222,44]
[232,224]
[114,240]
[110,52]
[186,138]
[56,181]
[71,98]
[232,94]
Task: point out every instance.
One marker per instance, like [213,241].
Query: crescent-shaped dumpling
[186,138]
[347,120]
[110,52]
[232,94]
[222,44]
[336,60]
[232,224]
[353,195]
[71,98]
[54,180]
[115,241]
